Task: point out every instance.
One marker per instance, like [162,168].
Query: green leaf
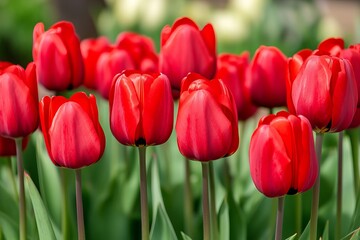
[306,233]
[293,237]
[224,222]
[9,227]
[161,227]
[9,214]
[185,237]
[43,222]
[325,235]
[354,235]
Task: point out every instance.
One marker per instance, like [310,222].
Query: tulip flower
[91,49]
[267,77]
[19,101]
[141,114]
[185,48]
[71,129]
[206,125]
[141,108]
[232,71]
[322,87]
[282,155]
[57,55]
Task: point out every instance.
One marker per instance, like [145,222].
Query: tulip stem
[22,204]
[279,218]
[205,195]
[316,190]
[354,140]
[79,206]
[64,205]
[339,187]
[143,195]
[213,215]
[188,201]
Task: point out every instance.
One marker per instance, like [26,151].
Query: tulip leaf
[306,233]
[49,181]
[325,235]
[224,222]
[161,227]
[9,227]
[185,237]
[43,222]
[293,237]
[8,214]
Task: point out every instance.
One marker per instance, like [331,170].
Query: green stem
[354,140]
[316,190]
[188,201]
[298,206]
[279,218]
[22,204]
[205,196]
[64,205]
[213,215]
[79,206]
[339,187]
[12,177]
[143,195]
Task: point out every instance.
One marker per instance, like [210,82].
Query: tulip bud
[267,77]
[19,101]
[72,132]
[57,55]
[207,123]
[321,89]
[185,48]
[282,155]
[232,71]
[91,49]
[141,108]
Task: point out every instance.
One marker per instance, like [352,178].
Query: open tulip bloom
[73,137]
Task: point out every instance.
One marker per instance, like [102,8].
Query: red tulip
[330,46]
[207,123]
[321,89]
[141,49]
[19,115]
[8,147]
[141,108]
[232,71]
[282,155]
[91,50]
[57,55]
[267,77]
[109,64]
[71,129]
[185,48]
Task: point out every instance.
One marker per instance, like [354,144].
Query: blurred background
[239,24]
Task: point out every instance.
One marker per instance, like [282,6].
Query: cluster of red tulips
[315,90]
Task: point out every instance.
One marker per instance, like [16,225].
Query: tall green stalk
[205,196]
[143,195]
[279,218]
[316,190]
[339,187]
[22,204]
[79,206]
[188,201]
[213,215]
[354,140]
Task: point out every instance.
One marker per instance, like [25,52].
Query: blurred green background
[239,24]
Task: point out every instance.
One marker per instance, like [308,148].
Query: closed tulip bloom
[185,48]
[207,123]
[141,108]
[57,55]
[19,114]
[72,132]
[141,50]
[91,50]
[282,155]
[321,89]
[109,64]
[267,77]
[232,71]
